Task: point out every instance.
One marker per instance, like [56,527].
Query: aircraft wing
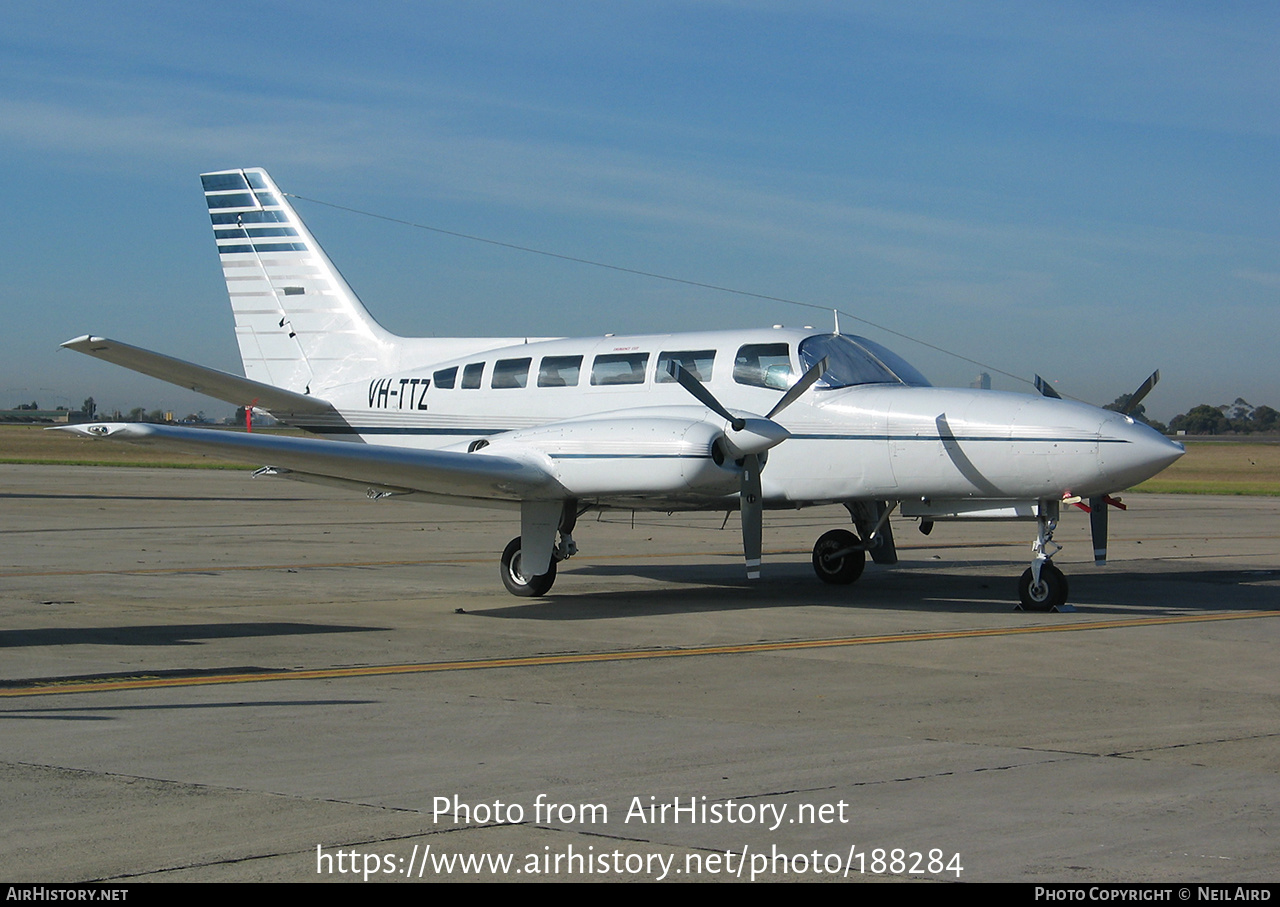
[479,476]
[209,381]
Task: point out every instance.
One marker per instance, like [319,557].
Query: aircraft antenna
[641,273]
[836,313]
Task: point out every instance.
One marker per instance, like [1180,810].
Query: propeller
[751,508]
[1098,529]
[1097,507]
[796,391]
[1097,510]
[1046,389]
[1136,397]
[705,397]
[747,440]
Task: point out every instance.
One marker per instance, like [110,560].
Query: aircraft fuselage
[868,441]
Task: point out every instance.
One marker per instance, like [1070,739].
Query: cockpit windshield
[853,360]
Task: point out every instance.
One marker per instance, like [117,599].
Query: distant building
[982,382]
[42,415]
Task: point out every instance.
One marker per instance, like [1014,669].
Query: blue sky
[1084,190]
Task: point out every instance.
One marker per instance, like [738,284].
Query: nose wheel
[1049,593]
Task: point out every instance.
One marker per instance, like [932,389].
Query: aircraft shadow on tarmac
[165,634]
[163,498]
[107,712]
[1115,591]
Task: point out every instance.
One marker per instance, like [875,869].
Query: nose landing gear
[1043,587]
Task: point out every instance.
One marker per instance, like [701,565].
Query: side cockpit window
[763,365]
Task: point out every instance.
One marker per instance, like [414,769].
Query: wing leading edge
[201,379]
[477,476]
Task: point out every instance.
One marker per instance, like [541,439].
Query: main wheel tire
[1050,593]
[842,570]
[517,584]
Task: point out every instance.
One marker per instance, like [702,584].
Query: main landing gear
[519,584]
[533,586]
[839,556]
[1043,587]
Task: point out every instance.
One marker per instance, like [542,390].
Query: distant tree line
[1240,417]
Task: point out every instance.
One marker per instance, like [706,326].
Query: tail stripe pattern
[298,323]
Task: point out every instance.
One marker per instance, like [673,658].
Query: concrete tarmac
[205,676]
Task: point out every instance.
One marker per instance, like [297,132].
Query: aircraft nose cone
[1130,452]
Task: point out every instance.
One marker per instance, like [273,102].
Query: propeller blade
[1046,388]
[752,508]
[796,391]
[1098,528]
[705,397]
[748,446]
[1141,392]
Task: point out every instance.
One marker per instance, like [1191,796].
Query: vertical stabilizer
[299,325]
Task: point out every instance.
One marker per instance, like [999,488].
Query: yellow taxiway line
[144,682]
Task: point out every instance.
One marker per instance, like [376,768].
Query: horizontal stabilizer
[202,380]
[452,473]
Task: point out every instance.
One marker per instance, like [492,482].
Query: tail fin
[299,325]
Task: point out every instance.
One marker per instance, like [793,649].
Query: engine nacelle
[618,457]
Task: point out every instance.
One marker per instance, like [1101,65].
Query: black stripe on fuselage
[638,456]
[427,432]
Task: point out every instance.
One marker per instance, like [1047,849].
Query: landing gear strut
[1043,587]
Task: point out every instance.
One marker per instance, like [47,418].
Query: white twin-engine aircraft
[717,420]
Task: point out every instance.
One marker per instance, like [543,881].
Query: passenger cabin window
[510,373]
[471,375]
[696,362]
[619,368]
[559,371]
[446,377]
[763,365]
